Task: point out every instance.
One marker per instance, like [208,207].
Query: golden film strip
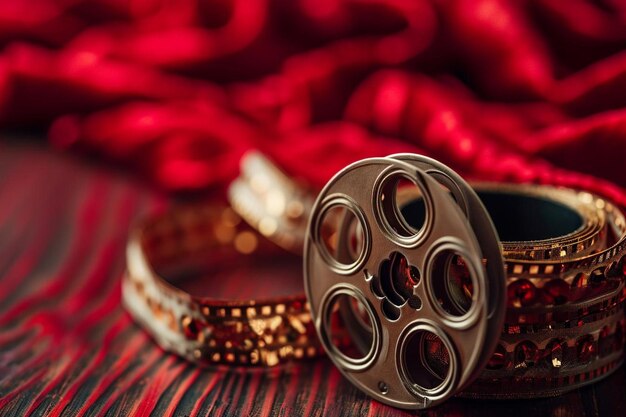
[211,330]
[272,203]
[562,325]
[546,364]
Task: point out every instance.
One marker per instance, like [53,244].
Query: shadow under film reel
[407,303]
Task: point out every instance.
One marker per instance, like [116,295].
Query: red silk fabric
[178,90]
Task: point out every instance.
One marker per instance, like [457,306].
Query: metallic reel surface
[484,230]
[406,311]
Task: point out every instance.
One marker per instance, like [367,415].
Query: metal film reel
[406,307]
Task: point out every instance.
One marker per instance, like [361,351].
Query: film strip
[272,203]
[562,324]
[210,330]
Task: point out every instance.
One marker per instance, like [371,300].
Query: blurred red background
[177,90]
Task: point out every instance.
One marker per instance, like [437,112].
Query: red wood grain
[67,348]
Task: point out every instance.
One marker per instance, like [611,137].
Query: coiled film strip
[562,325]
[210,330]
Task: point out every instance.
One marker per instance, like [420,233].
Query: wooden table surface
[67,348]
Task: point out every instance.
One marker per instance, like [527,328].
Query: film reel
[415,298]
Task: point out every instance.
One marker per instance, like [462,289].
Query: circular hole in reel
[354,238]
[356,310]
[452,283]
[396,191]
[349,328]
[426,361]
[341,236]
[412,206]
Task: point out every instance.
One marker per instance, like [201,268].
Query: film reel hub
[427,307]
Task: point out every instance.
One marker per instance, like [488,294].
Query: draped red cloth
[178,90]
